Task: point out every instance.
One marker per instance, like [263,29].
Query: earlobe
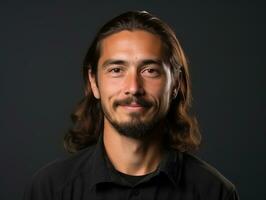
[175,92]
[94,87]
[176,88]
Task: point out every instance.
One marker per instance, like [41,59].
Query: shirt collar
[100,172]
[171,165]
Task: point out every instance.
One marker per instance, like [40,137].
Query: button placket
[134,194]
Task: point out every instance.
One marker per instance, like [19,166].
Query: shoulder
[53,176]
[206,178]
[198,169]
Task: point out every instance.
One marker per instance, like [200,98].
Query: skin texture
[131,68]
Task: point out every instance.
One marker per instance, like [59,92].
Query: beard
[135,127]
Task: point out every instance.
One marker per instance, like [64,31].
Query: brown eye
[151,72]
[115,71]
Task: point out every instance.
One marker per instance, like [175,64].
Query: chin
[136,128]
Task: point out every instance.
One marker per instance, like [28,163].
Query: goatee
[135,128]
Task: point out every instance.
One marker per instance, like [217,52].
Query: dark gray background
[42,47]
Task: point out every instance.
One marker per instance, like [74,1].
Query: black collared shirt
[87,175]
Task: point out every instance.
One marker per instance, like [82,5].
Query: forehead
[131,45]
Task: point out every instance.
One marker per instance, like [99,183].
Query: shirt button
[135,192]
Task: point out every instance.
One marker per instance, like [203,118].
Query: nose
[133,84]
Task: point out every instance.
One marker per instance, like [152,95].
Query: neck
[132,156]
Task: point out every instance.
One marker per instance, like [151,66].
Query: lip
[133,107]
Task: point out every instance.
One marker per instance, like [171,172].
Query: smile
[133,107]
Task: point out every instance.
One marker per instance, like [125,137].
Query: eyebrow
[151,61]
[113,62]
[123,62]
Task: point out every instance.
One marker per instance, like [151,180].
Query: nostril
[139,92]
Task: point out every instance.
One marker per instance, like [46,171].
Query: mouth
[133,107]
[132,104]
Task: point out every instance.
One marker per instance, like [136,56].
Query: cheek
[159,89]
[108,89]
[161,92]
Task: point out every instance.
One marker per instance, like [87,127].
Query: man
[132,132]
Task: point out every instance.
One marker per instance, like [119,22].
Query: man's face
[133,84]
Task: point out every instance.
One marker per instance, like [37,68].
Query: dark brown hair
[88,117]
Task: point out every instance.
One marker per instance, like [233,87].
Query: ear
[176,85]
[93,84]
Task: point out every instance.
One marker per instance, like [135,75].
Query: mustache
[127,101]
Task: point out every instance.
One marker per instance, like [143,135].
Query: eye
[151,72]
[115,71]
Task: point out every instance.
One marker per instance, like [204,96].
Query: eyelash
[114,69]
[152,72]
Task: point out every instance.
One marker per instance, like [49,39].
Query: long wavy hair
[88,116]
